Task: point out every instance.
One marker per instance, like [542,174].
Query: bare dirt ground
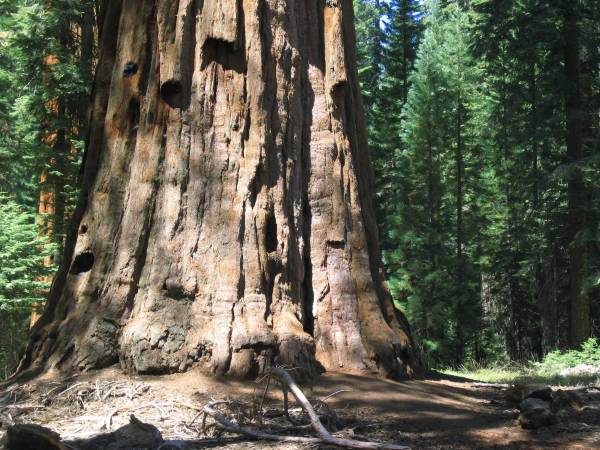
[424,414]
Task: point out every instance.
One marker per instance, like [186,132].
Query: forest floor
[439,412]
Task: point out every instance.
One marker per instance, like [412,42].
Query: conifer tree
[22,273]
[440,221]
[369,47]
[402,29]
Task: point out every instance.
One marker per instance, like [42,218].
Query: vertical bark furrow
[230,217]
[335,45]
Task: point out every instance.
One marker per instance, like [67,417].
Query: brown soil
[425,414]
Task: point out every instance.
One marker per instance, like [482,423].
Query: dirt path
[425,414]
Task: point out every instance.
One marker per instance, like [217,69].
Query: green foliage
[589,354]
[447,184]
[46,58]
[14,326]
[476,243]
[23,277]
[551,370]
[43,79]
[522,374]
[369,39]
[399,34]
[22,258]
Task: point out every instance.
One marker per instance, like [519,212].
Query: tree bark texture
[226,218]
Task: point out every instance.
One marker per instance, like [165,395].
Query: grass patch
[523,376]
[568,368]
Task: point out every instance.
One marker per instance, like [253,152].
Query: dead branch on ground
[325,437]
[101,406]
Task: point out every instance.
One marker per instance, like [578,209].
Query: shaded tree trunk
[460,235]
[225,219]
[46,209]
[47,199]
[579,317]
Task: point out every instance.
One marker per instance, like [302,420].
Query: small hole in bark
[405,353]
[227,54]
[253,188]
[271,234]
[130,69]
[82,263]
[83,229]
[172,93]
[340,245]
[134,112]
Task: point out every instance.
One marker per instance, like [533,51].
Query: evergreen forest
[484,132]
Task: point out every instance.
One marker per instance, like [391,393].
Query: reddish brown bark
[47,203]
[226,217]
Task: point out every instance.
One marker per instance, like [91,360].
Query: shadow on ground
[434,412]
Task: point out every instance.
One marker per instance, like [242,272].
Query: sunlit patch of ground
[516,375]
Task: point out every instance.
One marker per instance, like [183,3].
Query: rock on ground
[535,413]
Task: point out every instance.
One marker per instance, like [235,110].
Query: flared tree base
[225,219]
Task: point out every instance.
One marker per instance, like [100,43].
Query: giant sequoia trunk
[226,218]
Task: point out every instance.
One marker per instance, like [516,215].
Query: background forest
[484,126]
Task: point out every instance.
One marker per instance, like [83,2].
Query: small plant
[558,360]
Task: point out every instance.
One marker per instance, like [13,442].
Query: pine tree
[439,223]
[368,18]
[402,28]
[47,48]
[523,47]
[22,254]
[22,273]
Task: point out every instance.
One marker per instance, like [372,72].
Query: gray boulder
[535,413]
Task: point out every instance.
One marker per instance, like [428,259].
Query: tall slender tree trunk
[460,262]
[226,218]
[579,318]
[48,198]
[46,210]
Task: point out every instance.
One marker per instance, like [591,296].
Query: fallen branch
[336,393]
[114,412]
[325,437]
[286,407]
[255,434]
[70,388]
